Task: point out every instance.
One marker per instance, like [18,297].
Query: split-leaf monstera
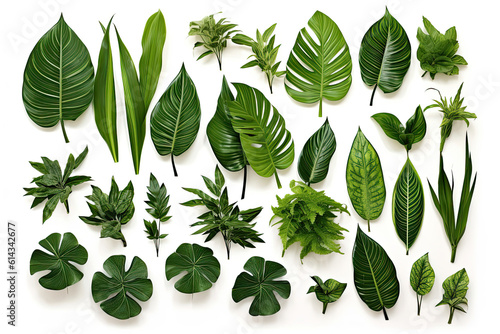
[317,71]
[58,78]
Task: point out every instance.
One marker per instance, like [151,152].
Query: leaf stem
[64,131]
[450,319]
[368,221]
[324,307]
[320,107]
[373,94]
[424,74]
[66,205]
[453,253]
[419,304]
[244,182]
[385,313]
[173,166]
[277,180]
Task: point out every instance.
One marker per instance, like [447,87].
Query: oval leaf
[422,278]
[365,180]
[408,205]
[375,276]
[58,78]
[317,71]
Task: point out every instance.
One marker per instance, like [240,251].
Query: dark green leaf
[328,292]
[422,278]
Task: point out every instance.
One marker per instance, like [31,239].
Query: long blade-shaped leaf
[104,96]
[58,78]
[316,71]
[408,205]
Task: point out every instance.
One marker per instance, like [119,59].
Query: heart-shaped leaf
[201,266]
[422,278]
[327,292]
[455,289]
[262,285]
[62,272]
[122,286]
[317,71]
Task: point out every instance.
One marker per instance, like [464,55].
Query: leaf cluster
[307,216]
[158,209]
[223,217]
[437,52]
[54,185]
[455,289]
[111,211]
[327,292]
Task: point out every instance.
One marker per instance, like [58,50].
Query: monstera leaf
[327,292]
[408,205]
[122,285]
[267,144]
[201,266]
[262,285]
[58,78]
[375,276]
[317,71]
[62,272]
[455,289]
[422,278]
[224,140]
[314,160]
[365,180]
[175,119]
[384,55]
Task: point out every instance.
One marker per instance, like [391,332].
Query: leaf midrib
[178,115]
[373,276]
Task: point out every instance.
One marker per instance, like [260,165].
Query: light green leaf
[455,289]
[422,278]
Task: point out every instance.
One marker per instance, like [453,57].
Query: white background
[73,311]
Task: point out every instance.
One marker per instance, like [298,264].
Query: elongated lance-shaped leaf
[317,71]
[422,278]
[314,160]
[175,119]
[375,276]
[104,96]
[384,55]
[134,104]
[267,144]
[365,180]
[455,289]
[224,140]
[408,205]
[58,78]
[153,41]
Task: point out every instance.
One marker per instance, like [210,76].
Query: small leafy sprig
[264,52]
[111,211]
[54,185]
[223,217]
[307,216]
[327,292]
[214,35]
[158,209]
[451,112]
[455,289]
[437,52]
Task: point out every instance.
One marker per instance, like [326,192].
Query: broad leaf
[314,160]
[422,278]
[201,267]
[365,180]
[120,286]
[175,119]
[62,272]
[375,276]
[384,55]
[317,71]
[267,144]
[327,292]
[262,285]
[455,289]
[58,78]
[408,205]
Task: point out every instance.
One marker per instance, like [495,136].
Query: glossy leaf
[317,71]
[62,273]
[385,55]
[422,278]
[375,276]
[408,205]
[58,78]
[267,144]
[314,160]
[175,119]
[117,289]
[365,180]
[261,283]
[327,292]
[202,268]
[455,289]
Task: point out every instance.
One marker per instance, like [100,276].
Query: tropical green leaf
[327,292]
[365,180]
[384,55]
[375,276]
[422,278]
[122,285]
[408,205]
[317,71]
[58,78]
[262,285]
[314,160]
[158,208]
[455,289]
[62,272]
[267,144]
[104,96]
[201,266]
[175,120]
